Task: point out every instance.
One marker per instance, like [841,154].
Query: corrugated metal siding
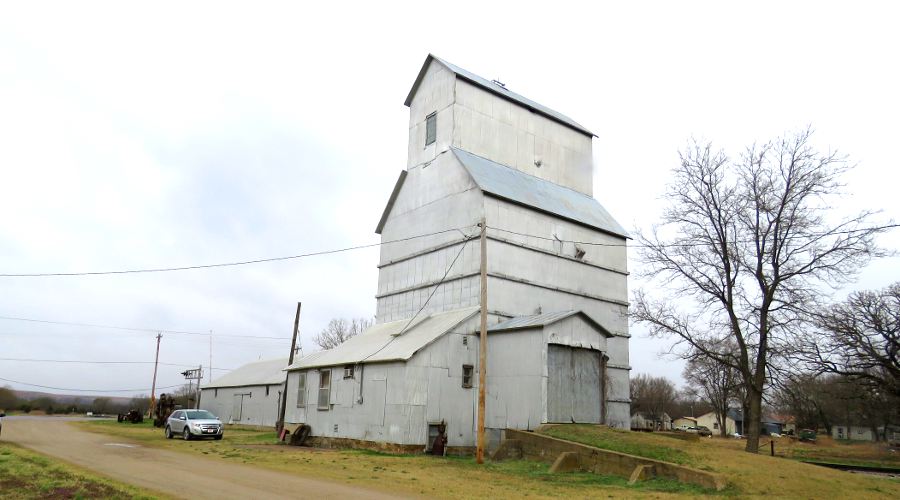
[257,409]
[498,90]
[518,187]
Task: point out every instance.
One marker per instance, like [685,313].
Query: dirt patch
[8,484]
[177,474]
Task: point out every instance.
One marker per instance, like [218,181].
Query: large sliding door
[574,387]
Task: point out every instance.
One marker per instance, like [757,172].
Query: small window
[715,425]
[468,372]
[348,371]
[465,340]
[430,128]
[324,389]
[301,390]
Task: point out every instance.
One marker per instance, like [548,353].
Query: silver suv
[193,423]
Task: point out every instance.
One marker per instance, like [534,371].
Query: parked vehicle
[703,431]
[807,435]
[133,416]
[193,423]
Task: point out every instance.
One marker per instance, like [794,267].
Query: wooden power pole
[155,366]
[482,347]
[281,411]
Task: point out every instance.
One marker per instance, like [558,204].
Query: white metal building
[557,281]
[248,395]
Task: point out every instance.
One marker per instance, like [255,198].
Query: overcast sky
[191,133]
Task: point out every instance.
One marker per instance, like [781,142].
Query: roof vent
[499,83]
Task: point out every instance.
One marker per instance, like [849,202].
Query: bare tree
[688,403]
[717,383]
[339,330]
[860,339]
[801,395]
[748,241]
[652,396]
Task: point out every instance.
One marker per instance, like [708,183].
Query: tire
[186,434]
[169,434]
[218,438]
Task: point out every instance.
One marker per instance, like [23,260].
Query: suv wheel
[169,434]
[186,434]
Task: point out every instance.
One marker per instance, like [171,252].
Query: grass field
[28,475]
[748,475]
[411,474]
[754,475]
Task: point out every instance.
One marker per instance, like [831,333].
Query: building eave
[390,204]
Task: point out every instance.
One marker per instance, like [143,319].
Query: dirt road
[173,473]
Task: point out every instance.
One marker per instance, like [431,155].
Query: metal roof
[519,187]
[267,372]
[497,90]
[388,341]
[544,319]
[390,204]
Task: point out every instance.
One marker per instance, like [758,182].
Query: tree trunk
[752,419]
[722,417]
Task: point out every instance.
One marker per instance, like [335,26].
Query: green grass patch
[27,475]
[618,440]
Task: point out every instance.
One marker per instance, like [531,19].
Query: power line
[224,264]
[670,245]
[86,362]
[439,283]
[148,330]
[85,390]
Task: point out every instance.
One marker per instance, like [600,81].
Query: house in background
[247,395]
[734,423]
[557,305]
[852,432]
[684,422]
[645,422]
[890,433]
[709,421]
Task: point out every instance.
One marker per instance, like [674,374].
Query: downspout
[604,396]
[362,372]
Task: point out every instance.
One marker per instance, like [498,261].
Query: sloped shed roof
[257,373]
[544,319]
[519,187]
[392,341]
[497,90]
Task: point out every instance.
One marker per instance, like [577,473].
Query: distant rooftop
[266,372]
[499,90]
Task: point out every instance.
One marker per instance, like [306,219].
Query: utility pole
[190,376]
[209,376]
[482,346]
[155,366]
[281,411]
[199,378]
